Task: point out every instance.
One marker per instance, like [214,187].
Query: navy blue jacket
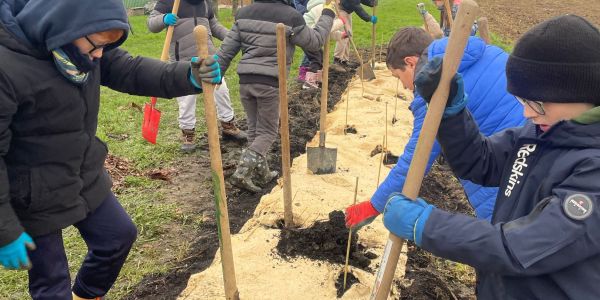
[494,109]
[540,245]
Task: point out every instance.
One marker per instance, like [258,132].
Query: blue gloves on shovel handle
[406,218]
[427,80]
[14,255]
[170,19]
[207,70]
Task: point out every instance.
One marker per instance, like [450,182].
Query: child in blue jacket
[543,241]
[494,109]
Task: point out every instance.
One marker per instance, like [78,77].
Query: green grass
[142,197]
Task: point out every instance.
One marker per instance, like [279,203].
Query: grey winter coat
[254,34]
[183,44]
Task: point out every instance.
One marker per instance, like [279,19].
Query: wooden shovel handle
[448,10]
[484,31]
[165,51]
[216,165]
[459,36]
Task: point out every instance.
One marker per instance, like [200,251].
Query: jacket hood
[473,52]
[50,24]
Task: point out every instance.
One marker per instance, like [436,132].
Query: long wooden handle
[467,13]
[448,9]
[284,126]
[324,93]
[373,32]
[484,31]
[216,166]
[165,52]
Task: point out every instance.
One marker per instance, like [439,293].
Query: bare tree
[234,6]
[215,6]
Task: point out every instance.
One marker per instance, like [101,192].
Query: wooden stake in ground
[381,48]
[284,127]
[484,31]
[347,104]
[386,136]
[380,161]
[216,166]
[394,120]
[349,239]
[467,13]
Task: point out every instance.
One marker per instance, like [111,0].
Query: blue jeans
[109,234]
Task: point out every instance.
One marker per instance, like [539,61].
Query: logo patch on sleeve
[578,206]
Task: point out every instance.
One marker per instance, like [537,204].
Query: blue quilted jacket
[493,108]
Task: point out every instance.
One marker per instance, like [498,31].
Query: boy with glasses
[543,241]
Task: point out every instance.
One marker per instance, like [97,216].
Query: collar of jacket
[572,134]
[589,117]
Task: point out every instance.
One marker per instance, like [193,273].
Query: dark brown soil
[194,170]
[511,18]
[430,277]
[339,283]
[325,241]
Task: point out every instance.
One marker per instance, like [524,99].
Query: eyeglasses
[94,46]
[537,106]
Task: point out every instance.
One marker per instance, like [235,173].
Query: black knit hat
[557,61]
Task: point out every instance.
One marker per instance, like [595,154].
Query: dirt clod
[350,129]
[339,283]
[325,240]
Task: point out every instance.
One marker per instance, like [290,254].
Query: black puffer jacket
[51,162]
[351,6]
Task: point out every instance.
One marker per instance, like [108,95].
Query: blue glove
[207,70]
[406,218]
[374,19]
[170,19]
[426,83]
[14,255]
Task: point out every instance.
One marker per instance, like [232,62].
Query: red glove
[360,215]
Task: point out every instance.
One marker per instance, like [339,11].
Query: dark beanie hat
[557,61]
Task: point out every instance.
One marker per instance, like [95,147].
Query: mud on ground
[430,277]
[192,191]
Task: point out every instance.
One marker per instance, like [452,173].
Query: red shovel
[151,114]
[151,121]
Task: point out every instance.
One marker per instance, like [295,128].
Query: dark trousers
[261,103]
[109,234]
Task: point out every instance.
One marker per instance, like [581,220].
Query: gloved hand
[374,19]
[426,83]
[170,19]
[360,215]
[14,255]
[207,70]
[329,6]
[346,34]
[406,218]
[421,8]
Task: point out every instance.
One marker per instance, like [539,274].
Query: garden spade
[457,41]
[321,160]
[151,120]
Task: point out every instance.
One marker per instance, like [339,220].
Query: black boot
[264,175]
[242,177]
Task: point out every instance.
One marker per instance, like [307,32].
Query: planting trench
[305,262]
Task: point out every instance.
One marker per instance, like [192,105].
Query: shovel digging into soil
[322,160]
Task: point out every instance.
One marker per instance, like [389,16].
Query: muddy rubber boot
[230,131]
[264,175]
[337,66]
[311,81]
[242,177]
[188,139]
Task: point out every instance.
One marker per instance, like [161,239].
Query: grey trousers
[261,103]
[187,107]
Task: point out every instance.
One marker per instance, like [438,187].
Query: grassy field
[120,126]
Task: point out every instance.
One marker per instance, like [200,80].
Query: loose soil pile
[430,277]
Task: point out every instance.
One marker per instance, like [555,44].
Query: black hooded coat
[51,162]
